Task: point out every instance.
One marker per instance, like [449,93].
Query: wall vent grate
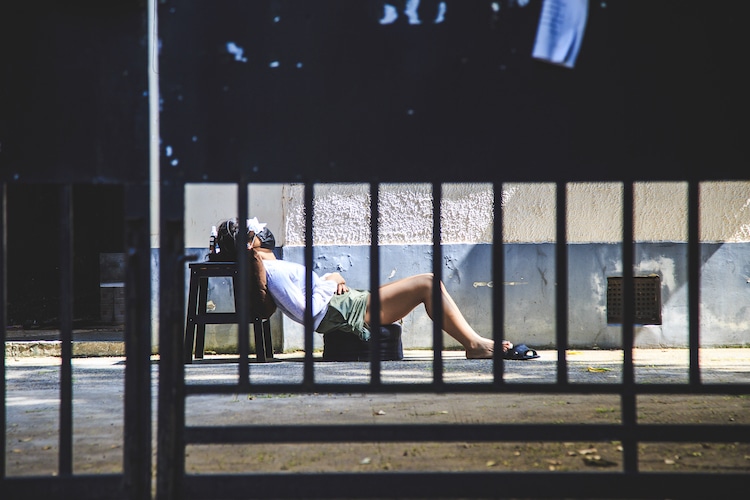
[647,300]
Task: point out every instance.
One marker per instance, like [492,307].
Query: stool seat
[198,318]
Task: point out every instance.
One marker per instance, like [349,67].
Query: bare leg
[399,298]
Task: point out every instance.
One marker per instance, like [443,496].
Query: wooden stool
[198,318]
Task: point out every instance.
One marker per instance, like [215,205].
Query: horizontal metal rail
[78,486]
[321,433]
[466,485]
[464,388]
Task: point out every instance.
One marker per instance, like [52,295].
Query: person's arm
[339,280]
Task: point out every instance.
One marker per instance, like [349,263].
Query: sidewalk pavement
[32,405]
[718,365]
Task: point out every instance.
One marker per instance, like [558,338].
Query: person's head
[226,239]
[263,242]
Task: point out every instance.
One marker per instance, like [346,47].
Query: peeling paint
[664,266]
[450,264]
[490,284]
[542,277]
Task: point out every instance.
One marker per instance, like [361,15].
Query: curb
[42,348]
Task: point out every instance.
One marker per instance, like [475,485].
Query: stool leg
[267,338]
[260,344]
[190,321]
[237,306]
[200,338]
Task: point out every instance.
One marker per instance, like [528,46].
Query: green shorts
[346,313]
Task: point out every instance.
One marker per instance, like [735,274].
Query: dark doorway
[33,244]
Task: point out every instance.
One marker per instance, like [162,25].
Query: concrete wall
[341,237]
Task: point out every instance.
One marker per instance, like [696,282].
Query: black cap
[266,239]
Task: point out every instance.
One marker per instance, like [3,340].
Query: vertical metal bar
[437,295]
[3,317]
[561,292]
[66,331]
[137,435]
[243,328]
[375,340]
[628,397]
[171,418]
[309,369]
[694,280]
[498,288]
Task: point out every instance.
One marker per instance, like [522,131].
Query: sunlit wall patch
[168,153]
[390,14]
[411,11]
[236,51]
[440,17]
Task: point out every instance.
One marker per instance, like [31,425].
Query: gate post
[170,468]
[137,435]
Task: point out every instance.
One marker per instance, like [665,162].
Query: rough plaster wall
[660,211]
[528,213]
[342,214]
[595,212]
[725,211]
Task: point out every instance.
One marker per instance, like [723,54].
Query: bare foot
[485,349]
[481,350]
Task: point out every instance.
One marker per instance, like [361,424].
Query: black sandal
[520,352]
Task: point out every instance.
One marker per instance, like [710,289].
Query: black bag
[346,346]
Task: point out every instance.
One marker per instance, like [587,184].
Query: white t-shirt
[286,284]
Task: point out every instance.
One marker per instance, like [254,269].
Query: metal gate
[74,101]
[302,91]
